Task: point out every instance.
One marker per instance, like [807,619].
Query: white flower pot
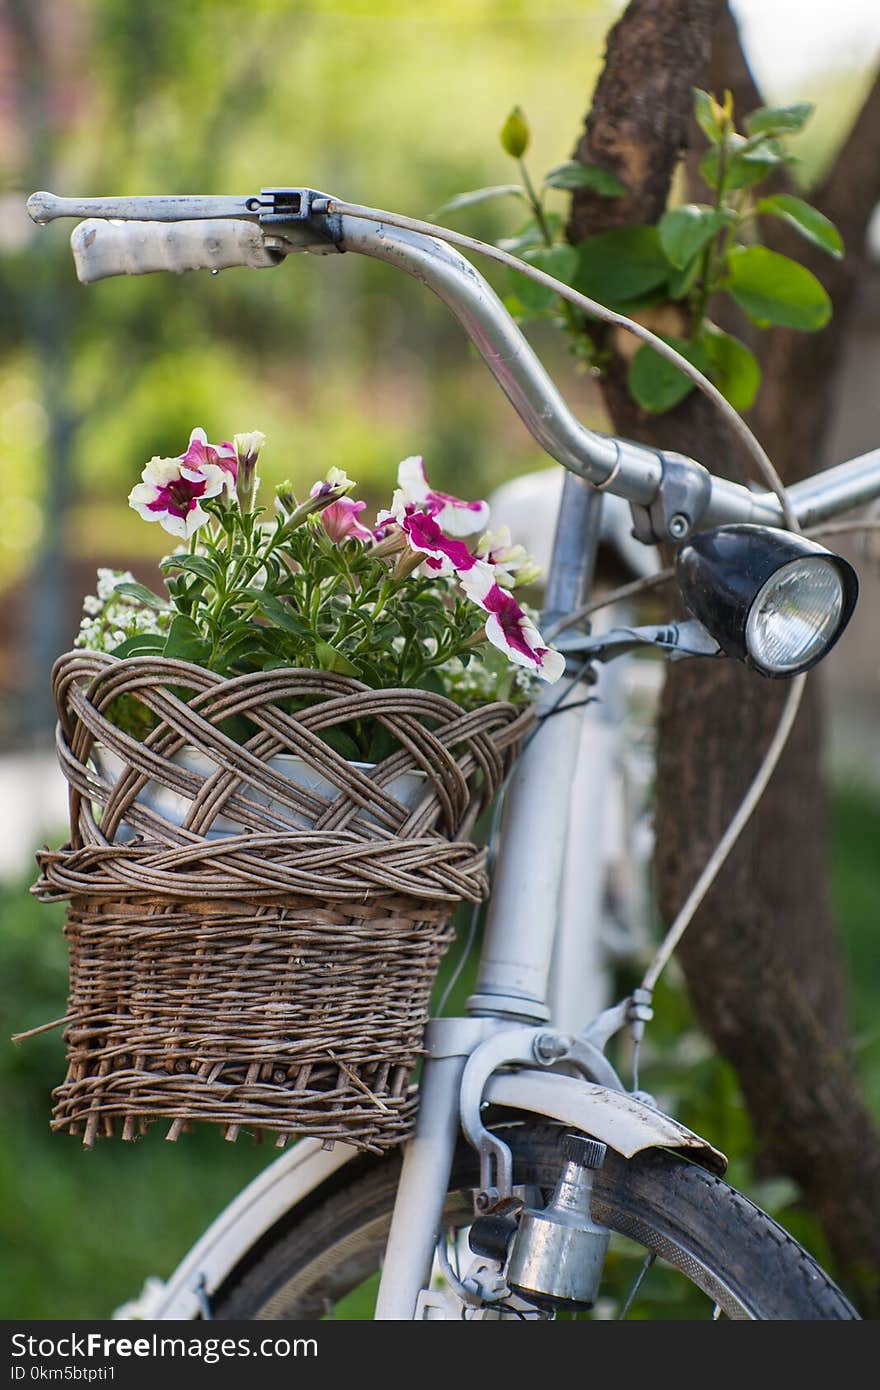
[408,789]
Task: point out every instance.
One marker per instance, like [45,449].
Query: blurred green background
[339,361]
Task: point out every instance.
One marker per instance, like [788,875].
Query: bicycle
[529,1150]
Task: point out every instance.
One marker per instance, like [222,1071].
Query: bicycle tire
[719,1240]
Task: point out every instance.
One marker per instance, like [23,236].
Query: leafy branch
[697,251]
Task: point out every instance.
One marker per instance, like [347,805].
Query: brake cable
[768,764]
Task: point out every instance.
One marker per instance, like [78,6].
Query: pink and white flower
[340,521]
[443,554]
[455,516]
[171,492]
[510,629]
[201,454]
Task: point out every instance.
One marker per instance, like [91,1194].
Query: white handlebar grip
[102,248]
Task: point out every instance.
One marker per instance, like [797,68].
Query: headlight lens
[795,615]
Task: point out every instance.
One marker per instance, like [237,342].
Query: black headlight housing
[774,600]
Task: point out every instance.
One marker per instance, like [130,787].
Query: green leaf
[655,383]
[559,261]
[515,134]
[681,282]
[192,564]
[341,743]
[575,174]
[530,235]
[734,368]
[332,659]
[142,594]
[809,221]
[142,644]
[278,613]
[745,162]
[185,642]
[684,231]
[771,288]
[619,266]
[779,118]
[482,195]
[705,111]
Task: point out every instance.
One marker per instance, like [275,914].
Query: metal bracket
[527,1046]
[300,219]
[677,640]
[682,498]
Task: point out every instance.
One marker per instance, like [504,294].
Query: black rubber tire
[719,1240]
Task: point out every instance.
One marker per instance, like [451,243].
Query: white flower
[171,490]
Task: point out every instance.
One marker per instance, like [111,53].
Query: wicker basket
[273,973]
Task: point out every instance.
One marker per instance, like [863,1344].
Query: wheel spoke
[637,1284]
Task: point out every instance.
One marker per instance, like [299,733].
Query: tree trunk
[761,958]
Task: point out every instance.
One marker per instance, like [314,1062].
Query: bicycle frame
[532,954]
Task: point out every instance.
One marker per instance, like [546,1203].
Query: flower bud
[515,134]
[247,448]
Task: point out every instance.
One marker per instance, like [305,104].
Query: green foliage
[809,221]
[622,266]
[655,383]
[732,366]
[481,195]
[684,231]
[574,174]
[771,288]
[779,120]
[696,252]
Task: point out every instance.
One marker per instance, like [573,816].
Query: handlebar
[671,495]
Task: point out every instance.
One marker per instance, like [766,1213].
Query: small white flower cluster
[477,682]
[110,618]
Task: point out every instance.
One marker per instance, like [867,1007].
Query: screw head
[678,526]
[549,1047]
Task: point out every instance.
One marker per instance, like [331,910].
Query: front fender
[625,1124]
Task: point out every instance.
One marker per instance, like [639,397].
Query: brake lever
[677,640]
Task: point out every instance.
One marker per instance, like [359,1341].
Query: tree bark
[761,958]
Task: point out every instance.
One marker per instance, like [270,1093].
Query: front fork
[417,1221]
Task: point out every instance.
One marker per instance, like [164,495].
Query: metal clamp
[526,1046]
[682,498]
[300,217]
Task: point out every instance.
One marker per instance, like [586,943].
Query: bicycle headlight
[774,600]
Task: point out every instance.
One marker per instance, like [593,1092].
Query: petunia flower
[455,516]
[340,520]
[200,454]
[513,565]
[443,554]
[171,492]
[508,628]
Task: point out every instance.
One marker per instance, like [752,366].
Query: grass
[80,1231]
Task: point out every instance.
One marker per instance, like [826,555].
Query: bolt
[678,526]
[549,1047]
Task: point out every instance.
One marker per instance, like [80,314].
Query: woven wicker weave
[278,978]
